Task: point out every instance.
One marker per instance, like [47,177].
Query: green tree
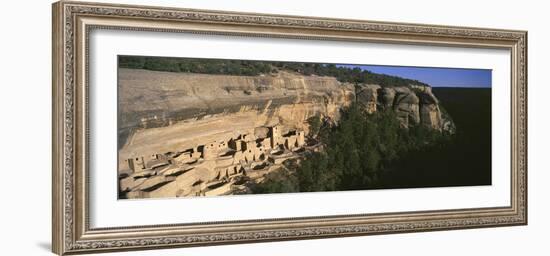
[314,125]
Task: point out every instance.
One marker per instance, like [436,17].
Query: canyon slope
[183,134]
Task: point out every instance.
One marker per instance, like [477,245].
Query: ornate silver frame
[72,22]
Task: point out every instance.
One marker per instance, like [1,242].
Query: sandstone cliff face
[163,111]
[166,111]
[153,99]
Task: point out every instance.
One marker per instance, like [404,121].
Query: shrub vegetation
[254,68]
[358,152]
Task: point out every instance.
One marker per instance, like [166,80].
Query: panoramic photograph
[190,127]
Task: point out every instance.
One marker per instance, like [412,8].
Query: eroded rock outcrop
[367,97]
[413,105]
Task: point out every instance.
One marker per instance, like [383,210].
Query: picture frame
[73,22]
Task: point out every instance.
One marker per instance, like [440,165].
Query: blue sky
[436,77]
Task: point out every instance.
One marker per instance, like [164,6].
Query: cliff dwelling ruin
[214,168]
[204,135]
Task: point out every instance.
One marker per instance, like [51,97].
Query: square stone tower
[275,136]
